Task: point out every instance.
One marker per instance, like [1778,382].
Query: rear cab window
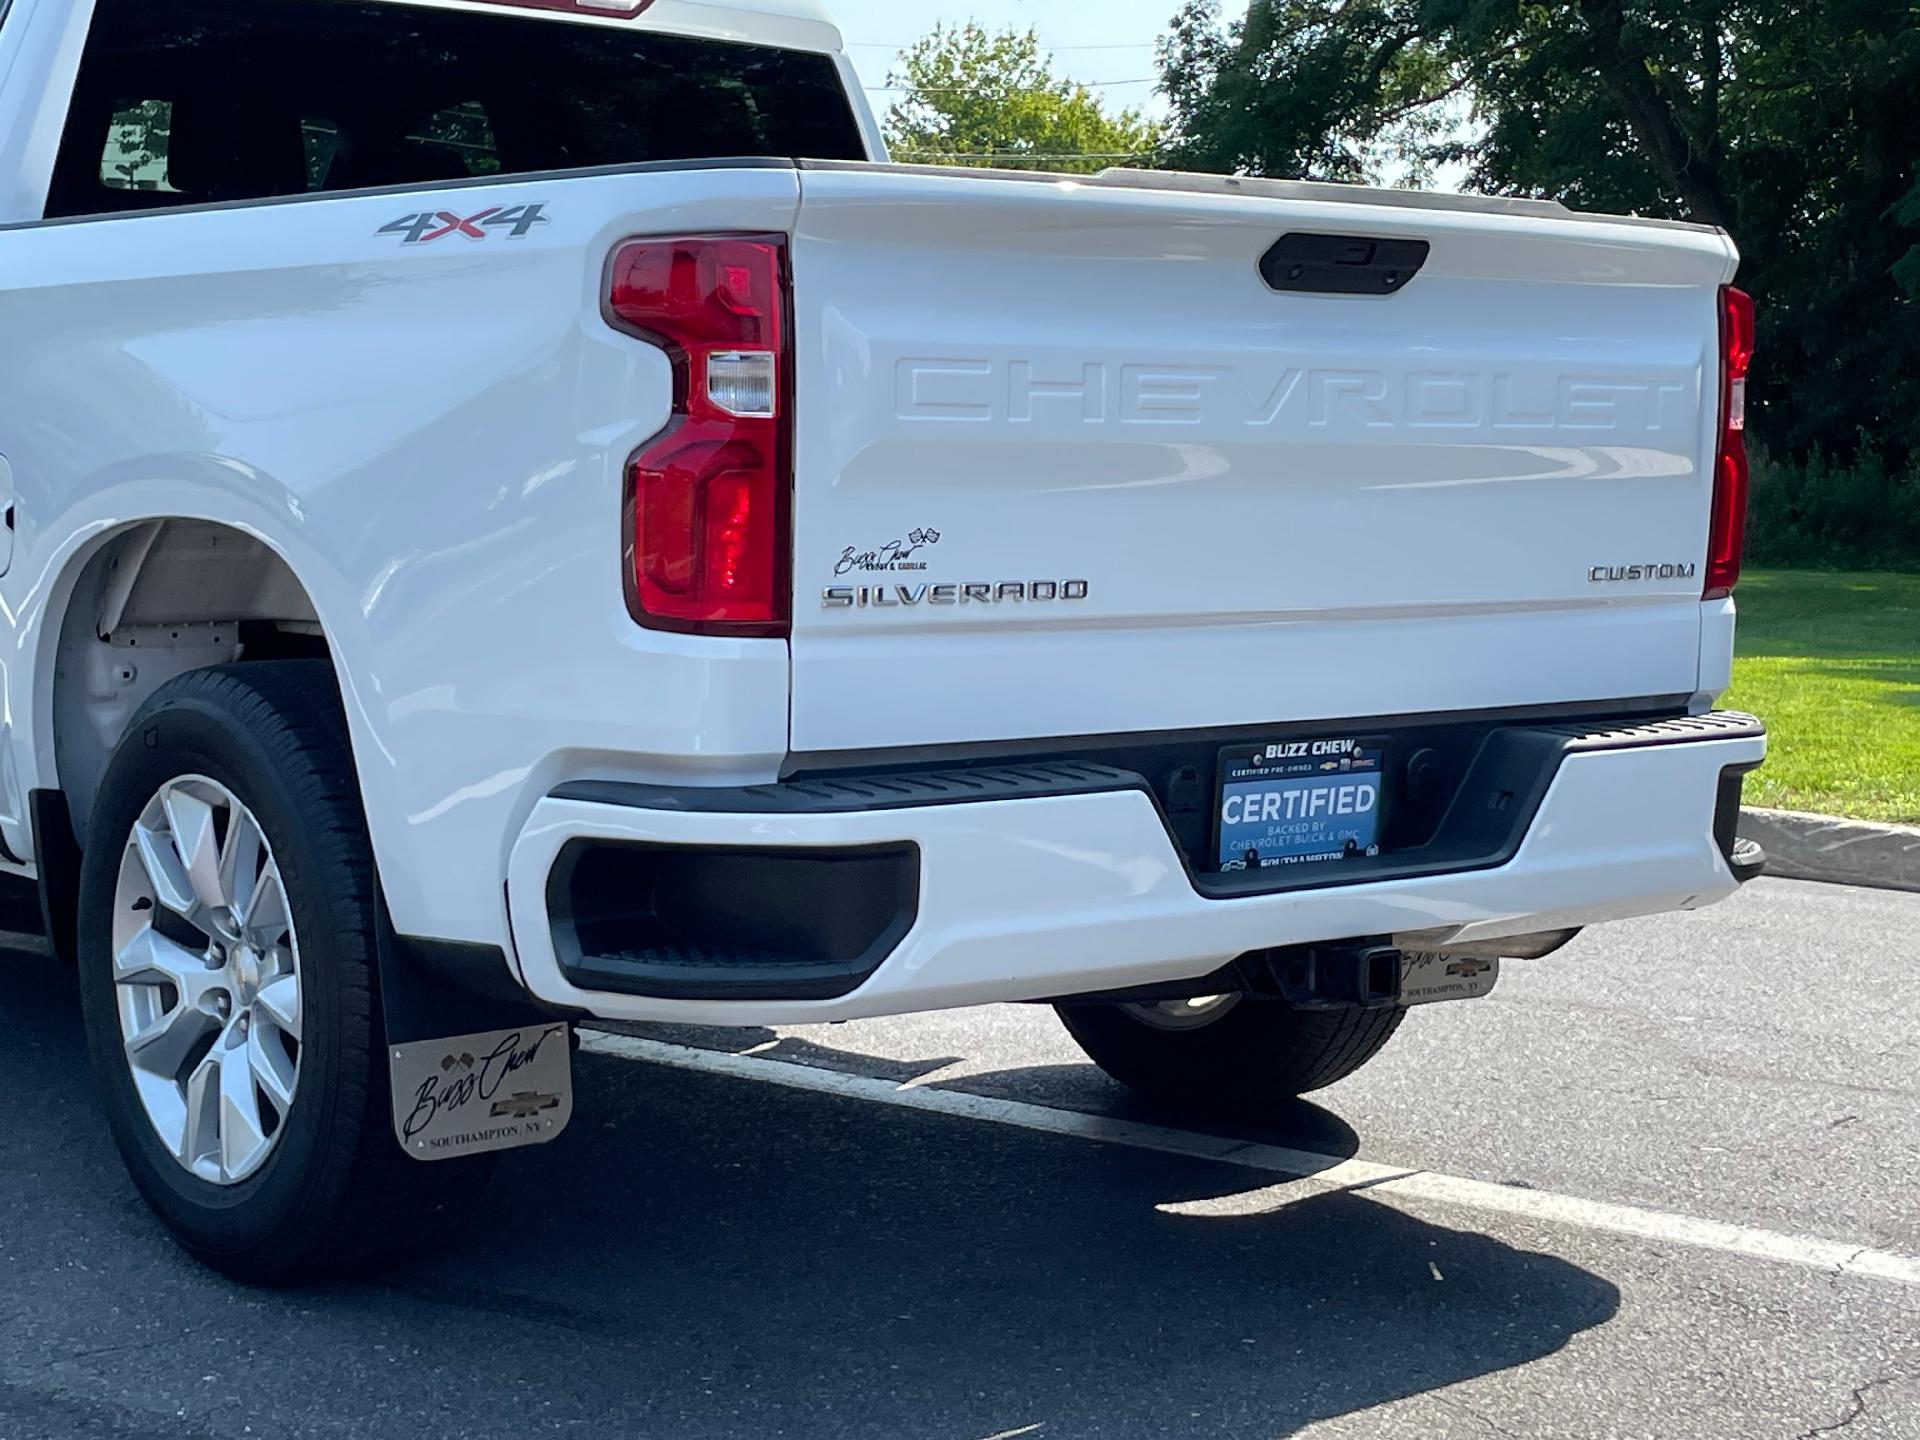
[198,102]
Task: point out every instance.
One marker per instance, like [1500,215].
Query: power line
[1026,154]
[887,45]
[1004,89]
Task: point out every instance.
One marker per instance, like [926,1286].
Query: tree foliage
[1793,123]
[969,97]
[136,157]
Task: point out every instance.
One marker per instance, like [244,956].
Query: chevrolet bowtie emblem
[524,1106]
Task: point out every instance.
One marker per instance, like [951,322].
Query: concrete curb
[1841,852]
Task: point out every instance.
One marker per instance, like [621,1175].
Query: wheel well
[156,601]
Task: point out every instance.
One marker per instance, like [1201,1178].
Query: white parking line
[1308,1174]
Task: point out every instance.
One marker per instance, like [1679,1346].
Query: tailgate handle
[1342,264]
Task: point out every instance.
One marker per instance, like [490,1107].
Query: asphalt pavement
[957,1240]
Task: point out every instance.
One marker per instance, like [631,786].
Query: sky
[1105,44]
[1097,42]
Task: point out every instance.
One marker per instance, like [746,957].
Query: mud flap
[473,1064]
[497,1090]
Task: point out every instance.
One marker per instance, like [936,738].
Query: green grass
[1831,661]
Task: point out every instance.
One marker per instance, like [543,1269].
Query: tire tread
[1258,1055]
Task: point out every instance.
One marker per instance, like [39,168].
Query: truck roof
[790,24]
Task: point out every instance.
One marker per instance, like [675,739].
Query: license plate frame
[1300,833]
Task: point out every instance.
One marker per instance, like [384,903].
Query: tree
[974,98]
[137,145]
[1795,124]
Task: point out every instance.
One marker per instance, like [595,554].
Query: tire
[1252,1055]
[311,1183]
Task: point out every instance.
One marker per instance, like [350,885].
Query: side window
[151,136]
[455,143]
[321,143]
[462,136]
[138,138]
[195,102]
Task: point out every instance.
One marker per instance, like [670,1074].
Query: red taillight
[1728,538]
[707,498]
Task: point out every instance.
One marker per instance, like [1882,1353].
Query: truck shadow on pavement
[705,1256]
[1300,1125]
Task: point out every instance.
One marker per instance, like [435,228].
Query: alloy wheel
[206,972]
[1194,1014]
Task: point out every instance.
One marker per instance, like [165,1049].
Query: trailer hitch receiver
[1330,977]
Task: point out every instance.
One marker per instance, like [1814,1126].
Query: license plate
[475,1093]
[1298,802]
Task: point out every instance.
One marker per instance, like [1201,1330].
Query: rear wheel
[1228,1052]
[228,928]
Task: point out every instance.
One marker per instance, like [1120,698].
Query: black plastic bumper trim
[672,922]
[56,855]
[833,764]
[854,795]
[1492,808]
[1680,730]
[1745,858]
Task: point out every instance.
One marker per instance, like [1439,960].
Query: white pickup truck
[513,518]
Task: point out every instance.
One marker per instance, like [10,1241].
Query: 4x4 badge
[430,225]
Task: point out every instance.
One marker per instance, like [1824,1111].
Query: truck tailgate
[1067,464]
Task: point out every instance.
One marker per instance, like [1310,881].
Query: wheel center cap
[246,973]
